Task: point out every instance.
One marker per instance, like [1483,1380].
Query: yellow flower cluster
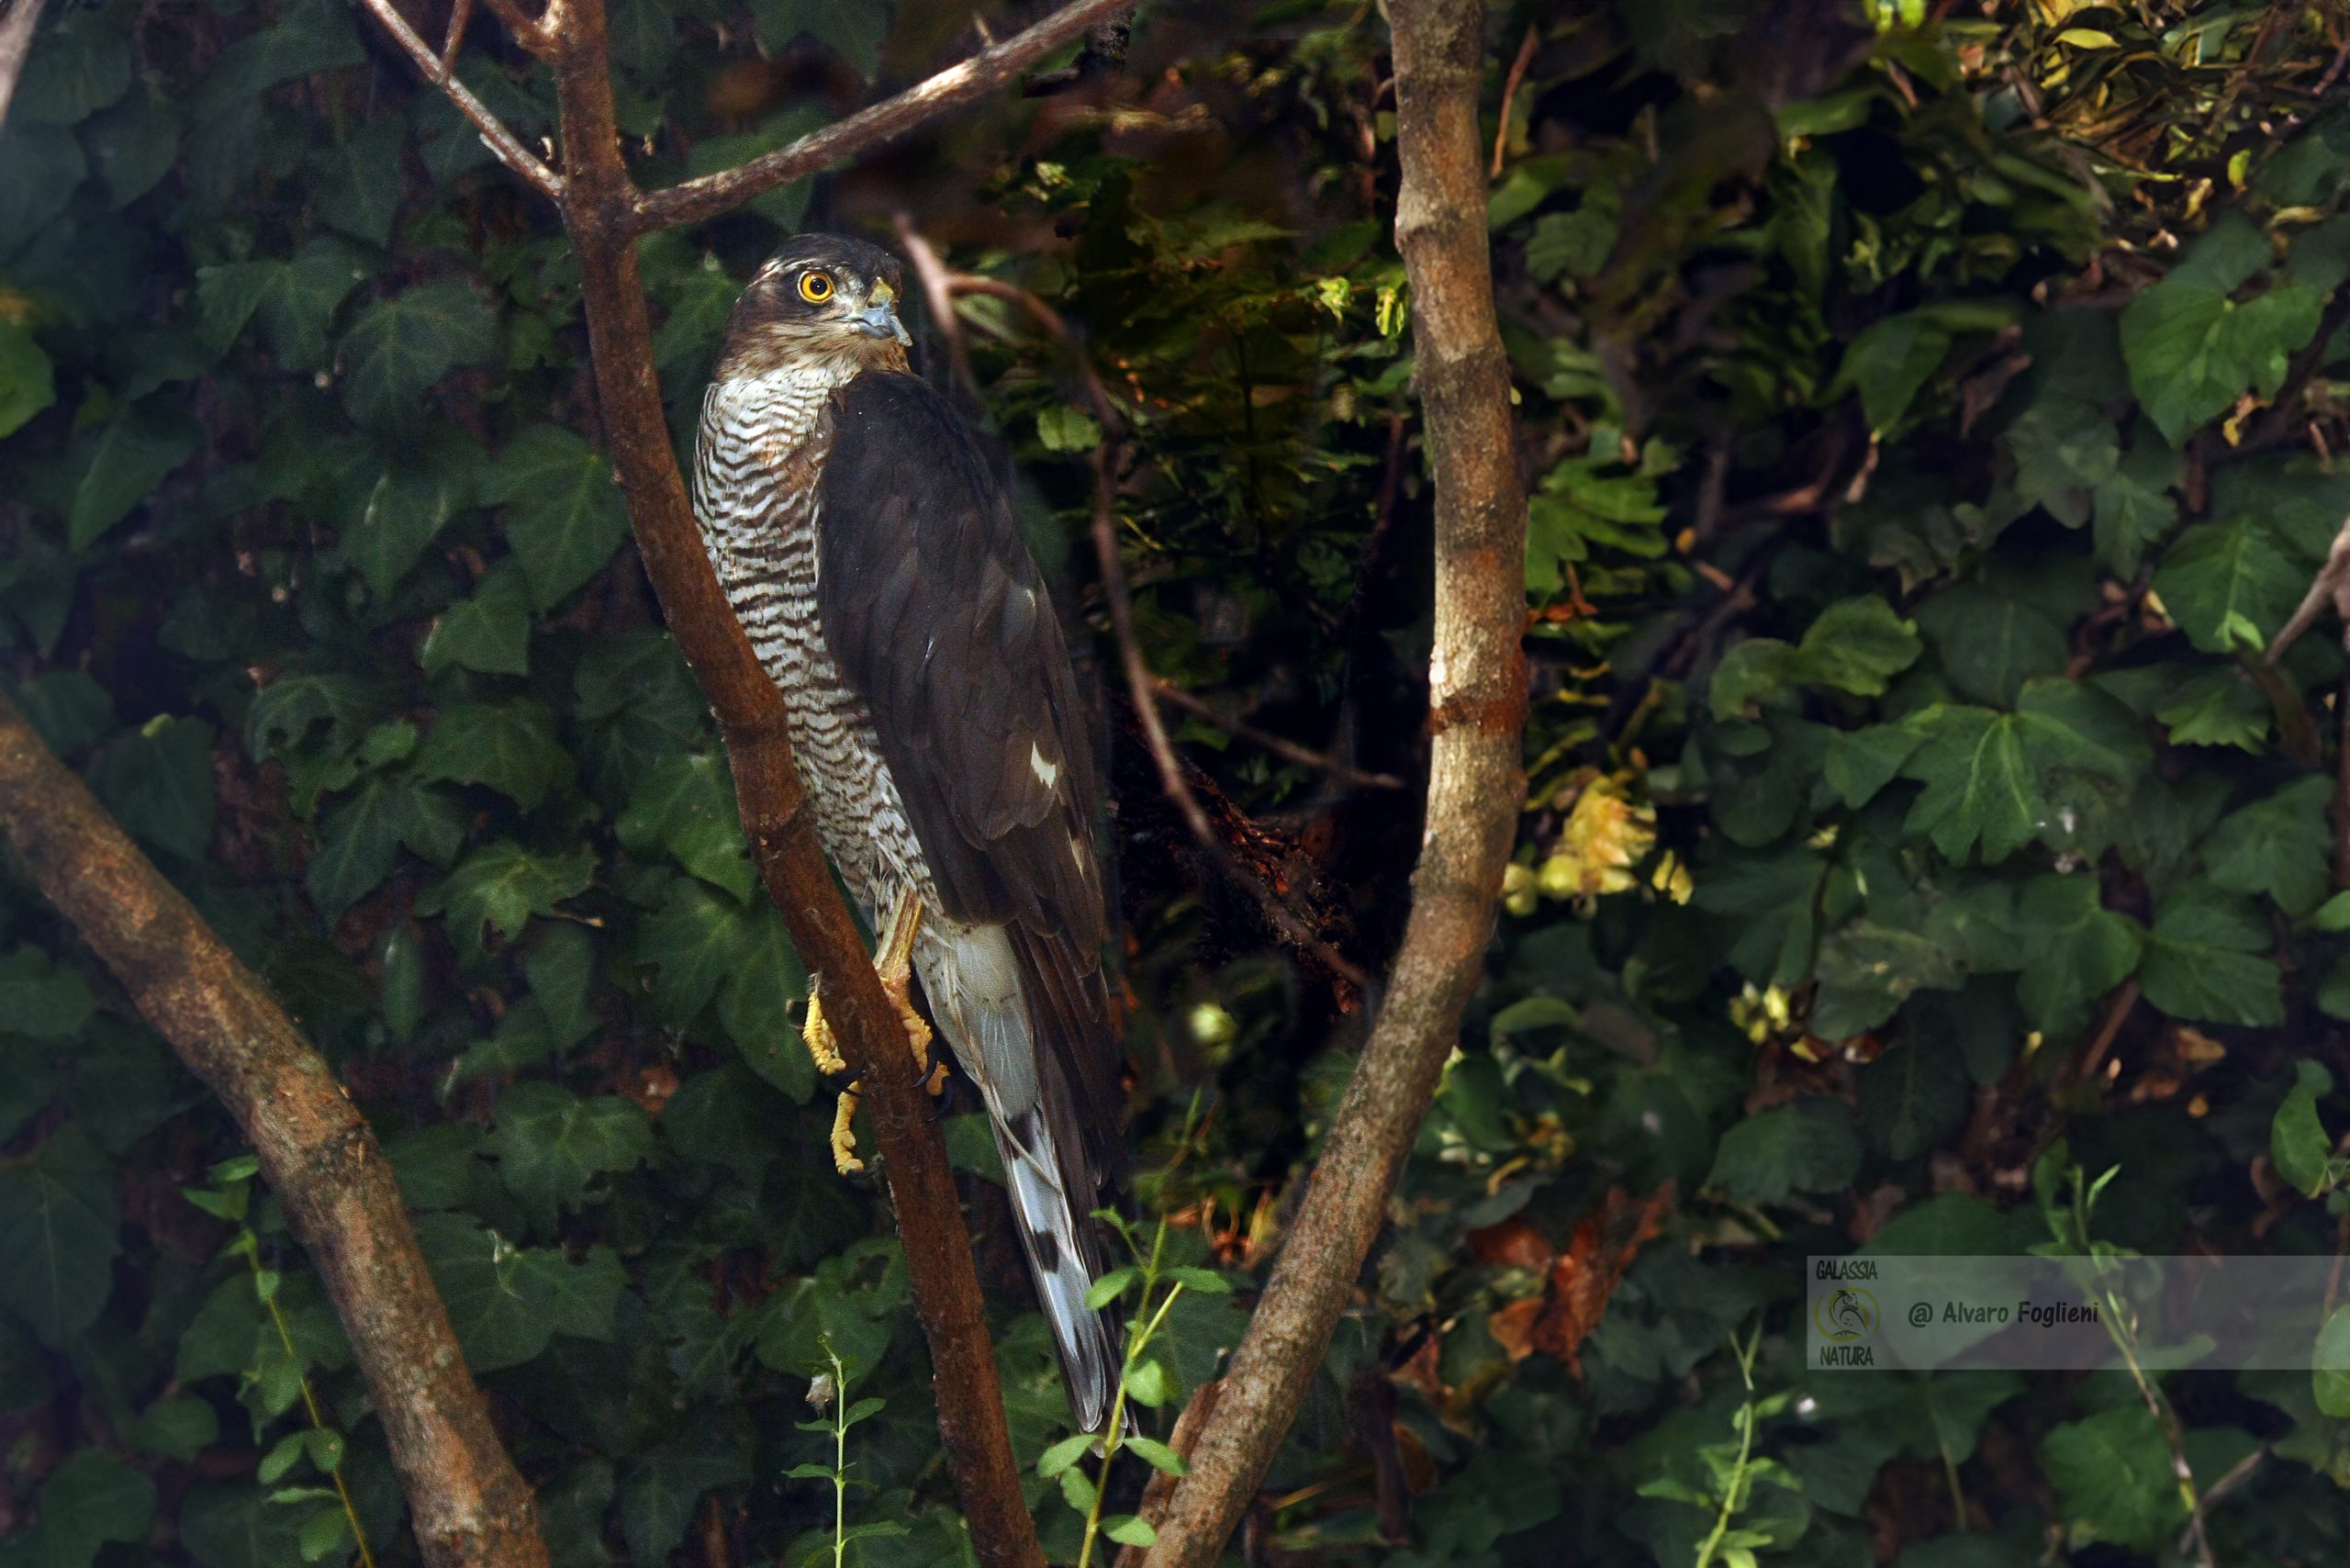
[1607,833]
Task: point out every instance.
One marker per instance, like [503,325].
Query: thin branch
[930,275]
[461,17]
[502,142]
[469,1507]
[2330,586]
[16,43]
[1167,691]
[983,74]
[1477,692]
[1517,78]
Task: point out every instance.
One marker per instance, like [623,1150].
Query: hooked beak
[879,320]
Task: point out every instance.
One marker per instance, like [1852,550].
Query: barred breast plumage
[763,443]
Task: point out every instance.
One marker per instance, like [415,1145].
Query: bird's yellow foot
[817,1034]
[844,1159]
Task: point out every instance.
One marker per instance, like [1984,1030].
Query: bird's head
[823,298]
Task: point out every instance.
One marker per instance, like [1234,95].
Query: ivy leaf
[2192,350]
[505,1302]
[2297,1145]
[2074,950]
[2113,1473]
[1990,643]
[292,300]
[401,347]
[235,1526]
[511,747]
[686,807]
[2135,505]
[1998,780]
[852,28]
[661,1490]
[2201,961]
[28,383]
[1805,1146]
[551,1145]
[2331,1383]
[358,183]
[2217,706]
[126,464]
[754,1005]
[88,1500]
[2280,847]
[158,782]
[1890,363]
[502,885]
[489,632]
[46,1001]
[564,512]
[2230,585]
[695,939]
[1855,646]
[405,510]
[57,1224]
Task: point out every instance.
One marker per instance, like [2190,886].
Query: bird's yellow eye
[815,287]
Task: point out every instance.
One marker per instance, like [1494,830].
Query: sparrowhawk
[871,553]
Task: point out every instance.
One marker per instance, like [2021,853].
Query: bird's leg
[894,964]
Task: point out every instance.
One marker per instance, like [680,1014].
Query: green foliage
[1929,431]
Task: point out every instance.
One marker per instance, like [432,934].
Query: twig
[2237,1475]
[1510,85]
[16,43]
[2116,1011]
[469,1507]
[1477,699]
[930,275]
[1167,691]
[460,15]
[867,128]
[1141,684]
[2330,586]
[502,142]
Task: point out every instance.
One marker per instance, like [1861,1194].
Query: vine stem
[1745,1354]
[310,1404]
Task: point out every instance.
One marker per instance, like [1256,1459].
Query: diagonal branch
[441,73]
[1477,694]
[983,74]
[16,43]
[470,1508]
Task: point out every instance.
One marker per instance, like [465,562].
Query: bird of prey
[870,551]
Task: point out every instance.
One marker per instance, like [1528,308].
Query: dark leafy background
[1929,420]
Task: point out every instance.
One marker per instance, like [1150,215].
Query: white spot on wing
[1047,771]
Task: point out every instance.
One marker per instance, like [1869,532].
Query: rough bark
[16,43]
[1477,696]
[468,1505]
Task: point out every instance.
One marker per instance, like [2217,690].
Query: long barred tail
[1065,1264]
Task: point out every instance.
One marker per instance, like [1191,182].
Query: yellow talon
[894,965]
[844,1159]
[817,1033]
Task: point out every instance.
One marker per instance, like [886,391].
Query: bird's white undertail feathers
[973,981]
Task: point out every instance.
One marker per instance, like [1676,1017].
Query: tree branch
[861,132]
[16,43]
[1477,692]
[469,1507]
[442,74]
